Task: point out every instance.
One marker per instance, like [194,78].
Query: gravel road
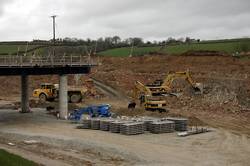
[61,144]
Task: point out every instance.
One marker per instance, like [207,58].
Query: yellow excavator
[162,87]
[149,102]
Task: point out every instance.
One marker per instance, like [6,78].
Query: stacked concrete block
[95,124]
[132,128]
[180,123]
[105,123]
[136,125]
[147,121]
[158,127]
[115,125]
[86,124]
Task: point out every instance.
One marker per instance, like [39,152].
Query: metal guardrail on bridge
[44,61]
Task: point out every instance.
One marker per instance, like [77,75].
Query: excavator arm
[139,90]
[140,87]
[198,87]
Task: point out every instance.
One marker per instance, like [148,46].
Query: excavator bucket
[198,87]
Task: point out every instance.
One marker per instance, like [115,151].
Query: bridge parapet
[44,61]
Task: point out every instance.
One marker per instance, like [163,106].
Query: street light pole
[54,33]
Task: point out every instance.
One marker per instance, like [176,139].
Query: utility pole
[132,48]
[54,33]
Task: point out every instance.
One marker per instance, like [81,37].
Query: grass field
[10,49]
[123,52]
[8,159]
[227,47]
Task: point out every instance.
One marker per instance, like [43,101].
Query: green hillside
[11,49]
[123,52]
[227,46]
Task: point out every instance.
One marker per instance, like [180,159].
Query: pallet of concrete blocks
[95,123]
[132,128]
[86,124]
[180,123]
[105,123]
[147,122]
[158,127]
[114,126]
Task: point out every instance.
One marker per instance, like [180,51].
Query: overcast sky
[149,19]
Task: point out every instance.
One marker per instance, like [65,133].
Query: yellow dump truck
[49,92]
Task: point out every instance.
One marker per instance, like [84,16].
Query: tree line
[105,43]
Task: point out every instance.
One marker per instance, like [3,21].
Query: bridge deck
[42,65]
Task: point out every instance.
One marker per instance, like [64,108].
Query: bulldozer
[163,87]
[50,92]
[149,102]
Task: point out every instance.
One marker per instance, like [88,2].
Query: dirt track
[62,143]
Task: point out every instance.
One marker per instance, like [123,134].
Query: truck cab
[46,92]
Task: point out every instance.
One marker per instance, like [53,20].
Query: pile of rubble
[134,126]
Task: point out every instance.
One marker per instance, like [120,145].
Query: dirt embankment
[226,80]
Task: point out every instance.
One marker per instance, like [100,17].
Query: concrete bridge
[45,65]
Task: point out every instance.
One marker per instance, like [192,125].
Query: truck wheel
[75,98]
[42,98]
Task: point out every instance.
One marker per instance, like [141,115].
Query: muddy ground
[224,106]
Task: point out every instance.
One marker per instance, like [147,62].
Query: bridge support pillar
[25,94]
[63,97]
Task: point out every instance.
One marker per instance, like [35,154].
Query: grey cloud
[2,5]
[149,19]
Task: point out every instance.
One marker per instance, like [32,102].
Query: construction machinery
[49,92]
[162,87]
[149,102]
